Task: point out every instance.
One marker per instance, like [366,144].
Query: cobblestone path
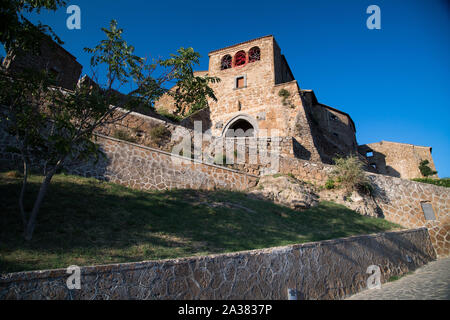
[431,282]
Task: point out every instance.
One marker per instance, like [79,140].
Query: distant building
[54,58]
[397,159]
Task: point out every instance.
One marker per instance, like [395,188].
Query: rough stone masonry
[332,269]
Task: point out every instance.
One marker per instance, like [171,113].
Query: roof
[238,44]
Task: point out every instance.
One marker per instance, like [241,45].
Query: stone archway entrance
[240,126]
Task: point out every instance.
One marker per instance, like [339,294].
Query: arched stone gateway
[241,126]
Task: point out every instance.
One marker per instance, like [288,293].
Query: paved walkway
[431,282]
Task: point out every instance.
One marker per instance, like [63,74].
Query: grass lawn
[86,222]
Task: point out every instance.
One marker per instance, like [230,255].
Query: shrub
[124,135]
[159,134]
[330,184]
[14,174]
[350,174]
[168,115]
[284,94]
[445,182]
[425,169]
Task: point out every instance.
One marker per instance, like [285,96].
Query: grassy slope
[84,221]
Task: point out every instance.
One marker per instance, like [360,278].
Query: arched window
[240,58]
[254,54]
[226,62]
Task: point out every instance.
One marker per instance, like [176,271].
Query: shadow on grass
[85,221]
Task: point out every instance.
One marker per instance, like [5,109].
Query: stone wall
[401,202]
[145,168]
[398,200]
[139,128]
[332,269]
[316,173]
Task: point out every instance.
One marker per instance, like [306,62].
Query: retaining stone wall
[145,168]
[332,269]
[401,201]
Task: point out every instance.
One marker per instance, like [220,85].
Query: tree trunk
[28,232]
[22,193]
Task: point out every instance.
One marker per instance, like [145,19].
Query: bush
[159,134]
[168,115]
[290,174]
[330,184]
[425,169]
[124,135]
[284,94]
[445,182]
[350,174]
[14,174]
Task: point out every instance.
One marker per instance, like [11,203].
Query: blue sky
[394,82]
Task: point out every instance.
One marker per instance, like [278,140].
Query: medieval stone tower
[259,95]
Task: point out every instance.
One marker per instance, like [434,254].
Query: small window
[240,82]
[139,133]
[54,74]
[254,54]
[369,154]
[240,58]
[226,62]
[428,211]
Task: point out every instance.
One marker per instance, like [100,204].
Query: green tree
[16,31]
[54,127]
[191,92]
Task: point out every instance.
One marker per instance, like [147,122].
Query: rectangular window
[428,211]
[54,74]
[240,82]
[369,154]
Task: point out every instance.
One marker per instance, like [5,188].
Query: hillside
[85,222]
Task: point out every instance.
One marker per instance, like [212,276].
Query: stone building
[397,159]
[52,57]
[259,94]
